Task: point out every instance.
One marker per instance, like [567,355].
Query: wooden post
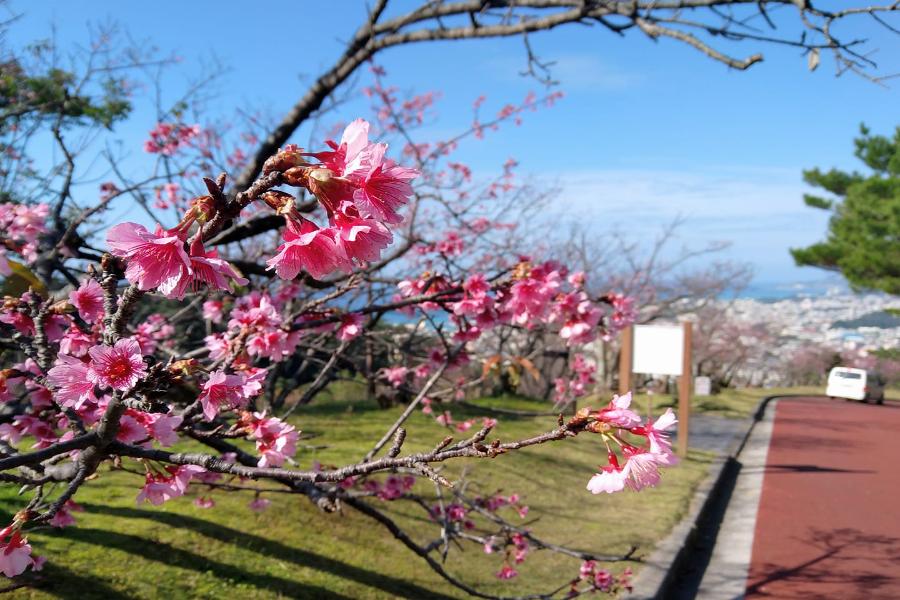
[684,390]
[626,358]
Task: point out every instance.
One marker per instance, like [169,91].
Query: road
[710,432]
[828,524]
[815,511]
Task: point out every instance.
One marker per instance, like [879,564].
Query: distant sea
[780,290]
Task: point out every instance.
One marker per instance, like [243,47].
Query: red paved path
[829,516]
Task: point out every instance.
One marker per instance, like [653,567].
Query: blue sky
[647,131]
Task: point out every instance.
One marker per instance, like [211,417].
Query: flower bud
[184,367]
[289,156]
[62,307]
[204,208]
[281,202]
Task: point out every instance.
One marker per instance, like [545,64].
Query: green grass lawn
[178,550]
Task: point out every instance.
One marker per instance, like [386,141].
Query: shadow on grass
[63,583]
[170,555]
[167,554]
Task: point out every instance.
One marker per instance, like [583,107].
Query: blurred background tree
[863,240]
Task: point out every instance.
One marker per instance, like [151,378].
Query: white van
[854,384]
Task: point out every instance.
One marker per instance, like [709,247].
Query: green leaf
[22,278]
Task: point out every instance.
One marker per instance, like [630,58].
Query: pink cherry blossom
[611,479]
[131,430]
[64,517]
[396,376]
[169,138]
[618,412]
[15,555]
[361,239]
[254,377]
[346,156]
[445,419]
[507,572]
[183,474]
[309,249]
[657,436]
[259,504]
[212,310]
[43,432]
[119,367]
[21,225]
[603,580]
[274,344]
[351,325]
[154,260]
[204,502]
[384,188]
[207,269]
[643,470]
[157,489]
[276,441]
[70,378]
[10,433]
[465,425]
[489,545]
[76,342]
[587,569]
[88,300]
[221,391]
[217,345]
[163,426]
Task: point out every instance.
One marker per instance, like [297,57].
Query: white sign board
[702,386]
[658,349]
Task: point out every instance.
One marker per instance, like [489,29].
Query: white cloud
[759,210]
[749,198]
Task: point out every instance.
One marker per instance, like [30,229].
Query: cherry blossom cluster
[255,328]
[393,487]
[624,311]
[276,441]
[167,195]
[456,517]
[543,294]
[159,260]
[21,226]
[531,102]
[578,384]
[223,391]
[536,294]
[171,482]
[599,580]
[516,548]
[15,552]
[360,190]
[391,112]
[619,426]
[168,138]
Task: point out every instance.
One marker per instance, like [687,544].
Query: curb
[659,570]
